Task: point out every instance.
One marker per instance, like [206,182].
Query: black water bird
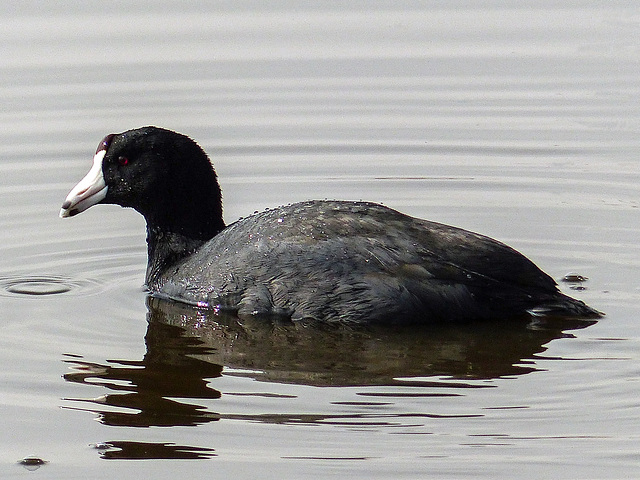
[327,261]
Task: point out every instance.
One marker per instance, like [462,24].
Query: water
[520,123]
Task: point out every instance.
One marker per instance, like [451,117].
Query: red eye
[123,161]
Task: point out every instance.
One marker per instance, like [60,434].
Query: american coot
[329,261]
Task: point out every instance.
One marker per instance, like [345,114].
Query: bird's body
[328,261]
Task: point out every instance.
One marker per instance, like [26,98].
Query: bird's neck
[185,216]
[169,244]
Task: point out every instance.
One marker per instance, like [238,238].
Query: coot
[327,261]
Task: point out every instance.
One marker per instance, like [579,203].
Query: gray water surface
[517,122]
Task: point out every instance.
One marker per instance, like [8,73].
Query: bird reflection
[323,355]
[187,348]
[145,390]
[127,450]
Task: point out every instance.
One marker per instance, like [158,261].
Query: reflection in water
[143,387]
[342,356]
[148,451]
[186,347]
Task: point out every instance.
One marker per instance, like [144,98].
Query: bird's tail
[565,306]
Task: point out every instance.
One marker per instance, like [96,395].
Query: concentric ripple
[46,285]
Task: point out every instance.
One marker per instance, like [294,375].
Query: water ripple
[44,285]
